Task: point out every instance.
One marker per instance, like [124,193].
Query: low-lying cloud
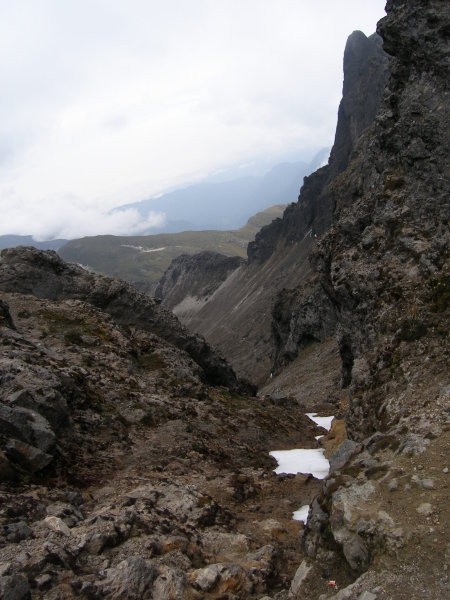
[54,220]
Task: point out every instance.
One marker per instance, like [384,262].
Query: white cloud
[68,218]
[110,102]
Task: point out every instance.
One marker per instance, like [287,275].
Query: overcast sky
[105,102]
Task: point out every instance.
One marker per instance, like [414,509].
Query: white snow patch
[317,437]
[324,422]
[301,514]
[309,460]
[142,249]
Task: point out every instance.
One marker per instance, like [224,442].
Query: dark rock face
[5,317]
[45,275]
[384,263]
[197,276]
[384,267]
[365,73]
[314,320]
[298,317]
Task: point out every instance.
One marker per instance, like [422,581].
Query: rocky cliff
[383,272]
[194,278]
[278,258]
[365,73]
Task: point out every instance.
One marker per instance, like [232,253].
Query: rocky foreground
[124,473]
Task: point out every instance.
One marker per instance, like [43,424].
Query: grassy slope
[112,255]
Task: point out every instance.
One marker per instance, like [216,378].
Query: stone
[427,484]
[222,546]
[356,552]
[300,575]
[367,596]
[14,587]
[425,509]
[343,454]
[132,579]
[222,578]
[393,485]
[46,401]
[16,532]
[170,583]
[29,457]
[43,580]
[57,525]
[205,579]
[28,426]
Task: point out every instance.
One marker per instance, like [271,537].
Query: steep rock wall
[195,276]
[365,73]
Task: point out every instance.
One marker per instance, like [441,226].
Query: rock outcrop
[383,267]
[26,270]
[365,73]
[191,280]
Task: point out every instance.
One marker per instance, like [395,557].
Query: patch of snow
[139,248]
[324,422]
[301,514]
[309,460]
[142,249]
[317,437]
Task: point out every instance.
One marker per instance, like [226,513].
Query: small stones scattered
[445,470]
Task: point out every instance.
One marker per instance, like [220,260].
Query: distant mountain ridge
[226,204]
[11,241]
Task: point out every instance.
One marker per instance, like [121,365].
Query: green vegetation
[72,329]
[412,329]
[151,361]
[142,260]
[440,293]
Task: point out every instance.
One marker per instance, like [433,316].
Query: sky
[107,102]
